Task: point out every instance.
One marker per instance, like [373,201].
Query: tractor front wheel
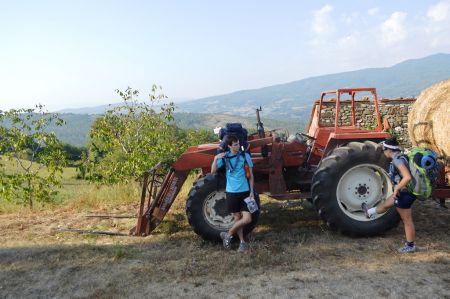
[346,178]
[206,208]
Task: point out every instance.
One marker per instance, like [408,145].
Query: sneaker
[407,249]
[243,246]
[226,240]
[365,208]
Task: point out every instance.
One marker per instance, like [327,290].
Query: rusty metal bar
[86,231]
[110,216]
[291,195]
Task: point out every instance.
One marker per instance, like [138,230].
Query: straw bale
[429,119]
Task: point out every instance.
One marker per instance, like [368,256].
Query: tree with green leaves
[34,155]
[131,138]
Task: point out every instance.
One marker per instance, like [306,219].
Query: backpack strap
[393,171]
[227,161]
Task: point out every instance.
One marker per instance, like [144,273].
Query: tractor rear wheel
[346,178]
[206,208]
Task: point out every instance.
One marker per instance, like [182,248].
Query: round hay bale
[429,119]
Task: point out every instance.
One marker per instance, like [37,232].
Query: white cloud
[322,22]
[393,30]
[381,40]
[351,18]
[350,41]
[373,11]
[436,30]
[439,12]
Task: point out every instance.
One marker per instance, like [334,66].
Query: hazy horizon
[75,54]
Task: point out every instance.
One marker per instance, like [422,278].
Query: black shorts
[404,200]
[235,201]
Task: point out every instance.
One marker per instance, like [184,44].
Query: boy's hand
[396,193]
[219,156]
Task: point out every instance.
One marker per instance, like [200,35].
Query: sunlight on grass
[82,196]
[75,194]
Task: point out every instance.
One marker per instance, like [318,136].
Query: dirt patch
[292,255]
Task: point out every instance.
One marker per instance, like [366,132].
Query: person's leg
[234,206]
[380,209]
[238,226]
[406,216]
[237,216]
[386,205]
[246,219]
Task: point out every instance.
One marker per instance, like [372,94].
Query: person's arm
[214,163]
[250,179]
[251,182]
[406,177]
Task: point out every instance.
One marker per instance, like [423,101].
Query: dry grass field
[292,254]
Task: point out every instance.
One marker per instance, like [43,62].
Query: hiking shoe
[365,208]
[407,249]
[226,240]
[243,246]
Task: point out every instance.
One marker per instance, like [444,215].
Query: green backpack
[424,171]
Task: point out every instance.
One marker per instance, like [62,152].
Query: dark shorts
[235,202]
[404,200]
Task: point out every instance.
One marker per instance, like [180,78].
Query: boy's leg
[238,227]
[246,219]
[237,216]
[410,231]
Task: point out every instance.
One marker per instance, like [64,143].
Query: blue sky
[66,54]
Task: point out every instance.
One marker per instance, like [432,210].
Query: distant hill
[285,105]
[77,128]
[294,99]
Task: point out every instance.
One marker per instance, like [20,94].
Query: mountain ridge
[293,100]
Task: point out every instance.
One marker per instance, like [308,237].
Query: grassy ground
[75,194]
[292,254]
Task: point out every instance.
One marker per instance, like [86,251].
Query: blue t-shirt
[235,172]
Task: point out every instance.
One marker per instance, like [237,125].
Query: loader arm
[159,192]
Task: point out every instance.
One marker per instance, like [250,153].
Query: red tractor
[337,165]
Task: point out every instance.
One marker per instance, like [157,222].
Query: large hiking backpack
[424,169]
[235,129]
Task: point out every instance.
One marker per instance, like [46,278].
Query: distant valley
[292,101]
[76,130]
[285,105]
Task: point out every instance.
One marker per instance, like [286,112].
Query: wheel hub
[215,211]
[362,190]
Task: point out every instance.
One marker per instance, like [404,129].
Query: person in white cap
[402,199]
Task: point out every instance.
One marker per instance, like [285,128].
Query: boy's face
[234,147]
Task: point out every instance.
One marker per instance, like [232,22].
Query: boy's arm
[214,163]
[251,182]
[250,179]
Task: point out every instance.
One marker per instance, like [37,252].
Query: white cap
[393,147]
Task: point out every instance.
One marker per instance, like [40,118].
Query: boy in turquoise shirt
[237,189]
